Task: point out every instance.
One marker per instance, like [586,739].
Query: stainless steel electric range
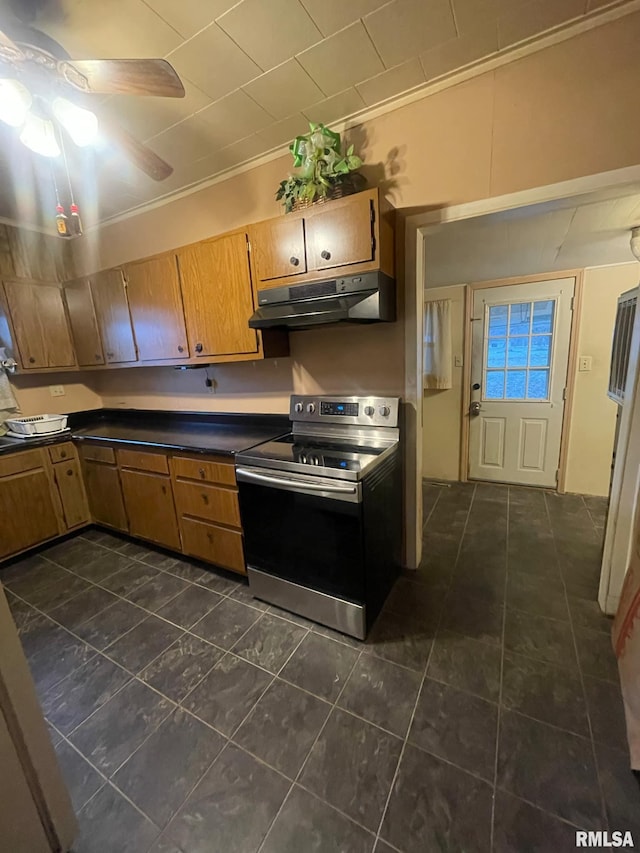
[322,510]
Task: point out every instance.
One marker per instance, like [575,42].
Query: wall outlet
[57,390]
[458,361]
[584,362]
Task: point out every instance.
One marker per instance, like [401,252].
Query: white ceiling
[588,231]
[256,71]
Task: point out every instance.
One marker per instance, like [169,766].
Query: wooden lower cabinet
[214,544]
[27,506]
[148,501]
[70,485]
[104,492]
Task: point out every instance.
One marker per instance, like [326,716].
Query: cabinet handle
[325,255]
[31,360]
[109,355]
[180,348]
[164,490]
[198,347]
[97,356]
[205,498]
[69,472]
[63,454]
[201,472]
[294,261]
[210,537]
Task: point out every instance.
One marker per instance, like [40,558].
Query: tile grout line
[424,674]
[502,650]
[334,705]
[603,808]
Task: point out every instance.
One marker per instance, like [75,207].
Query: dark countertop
[225,434]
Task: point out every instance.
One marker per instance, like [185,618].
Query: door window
[518,347]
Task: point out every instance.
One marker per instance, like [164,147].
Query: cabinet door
[218,301]
[149,502]
[40,325]
[84,325]
[71,488]
[112,311]
[155,301]
[340,235]
[105,495]
[278,248]
[27,511]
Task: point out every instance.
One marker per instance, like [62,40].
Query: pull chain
[76,222]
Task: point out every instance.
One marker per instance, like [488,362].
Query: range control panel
[360,411]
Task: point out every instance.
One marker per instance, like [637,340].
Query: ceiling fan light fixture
[80,124]
[39,136]
[15,101]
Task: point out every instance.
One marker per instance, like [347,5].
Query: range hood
[366,298]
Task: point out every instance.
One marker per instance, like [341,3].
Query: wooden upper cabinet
[40,326]
[218,300]
[155,301]
[84,324]
[340,236]
[278,248]
[112,312]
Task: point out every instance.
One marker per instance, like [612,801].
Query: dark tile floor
[483,713]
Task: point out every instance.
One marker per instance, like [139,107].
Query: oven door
[303,529]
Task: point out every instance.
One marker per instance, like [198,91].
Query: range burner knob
[311,407]
[303,458]
[384,411]
[313,459]
[370,411]
[298,407]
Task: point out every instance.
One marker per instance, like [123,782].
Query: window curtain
[437,345]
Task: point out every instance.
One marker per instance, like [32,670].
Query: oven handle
[289,484]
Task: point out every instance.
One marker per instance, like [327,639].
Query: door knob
[474,408]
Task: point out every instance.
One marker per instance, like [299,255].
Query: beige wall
[593,415]
[441,422]
[593,418]
[33,397]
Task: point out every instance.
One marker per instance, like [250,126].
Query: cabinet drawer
[98,453]
[61,452]
[156,462]
[208,502]
[212,471]
[213,544]
[18,462]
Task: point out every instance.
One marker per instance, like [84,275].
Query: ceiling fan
[36,75]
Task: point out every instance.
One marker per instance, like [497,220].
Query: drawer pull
[98,357]
[69,472]
[294,261]
[31,359]
[198,347]
[181,348]
[201,471]
[205,498]
[63,454]
[325,255]
[164,490]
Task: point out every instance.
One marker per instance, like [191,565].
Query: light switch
[584,362]
[458,361]
[57,390]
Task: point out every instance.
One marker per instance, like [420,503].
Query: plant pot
[354,182]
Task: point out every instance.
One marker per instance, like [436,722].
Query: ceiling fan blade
[123,77]
[9,50]
[137,152]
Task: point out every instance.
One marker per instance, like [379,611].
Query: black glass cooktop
[316,453]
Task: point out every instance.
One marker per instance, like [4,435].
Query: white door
[520,349]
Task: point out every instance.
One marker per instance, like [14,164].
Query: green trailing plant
[322,166]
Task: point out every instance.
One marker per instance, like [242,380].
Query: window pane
[538,386]
[498,320]
[543,316]
[540,351]
[495,385]
[519,320]
[496,352]
[516,381]
[518,351]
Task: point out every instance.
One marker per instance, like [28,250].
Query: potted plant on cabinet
[325,170]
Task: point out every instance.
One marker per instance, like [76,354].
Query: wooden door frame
[572,361]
